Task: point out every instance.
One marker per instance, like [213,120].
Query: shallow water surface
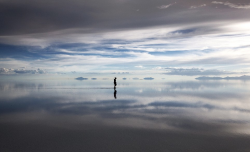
[137,115]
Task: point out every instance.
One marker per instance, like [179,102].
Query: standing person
[115,82]
[115,88]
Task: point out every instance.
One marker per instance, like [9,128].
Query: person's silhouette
[115,88]
[115,82]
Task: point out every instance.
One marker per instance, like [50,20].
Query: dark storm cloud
[29,16]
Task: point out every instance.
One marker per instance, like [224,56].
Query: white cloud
[25,71]
[157,68]
[140,66]
[226,45]
[21,71]
[10,63]
[5,71]
[242,6]
[193,7]
[195,71]
[40,71]
[165,6]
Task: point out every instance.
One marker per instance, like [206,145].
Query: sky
[172,37]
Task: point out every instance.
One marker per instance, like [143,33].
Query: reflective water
[137,115]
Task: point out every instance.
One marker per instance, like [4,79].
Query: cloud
[24,71]
[164,6]
[194,71]
[148,78]
[21,71]
[5,71]
[139,66]
[120,73]
[40,71]
[81,78]
[101,16]
[244,77]
[157,68]
[152,51]
[243,6]
[193,7]
[60,73]
[65,16]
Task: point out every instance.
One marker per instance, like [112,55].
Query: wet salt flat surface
[146,115]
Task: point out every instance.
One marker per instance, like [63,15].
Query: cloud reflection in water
[190,112]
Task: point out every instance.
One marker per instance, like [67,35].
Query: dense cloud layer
[29,16]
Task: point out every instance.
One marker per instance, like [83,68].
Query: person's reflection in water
[115,92]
